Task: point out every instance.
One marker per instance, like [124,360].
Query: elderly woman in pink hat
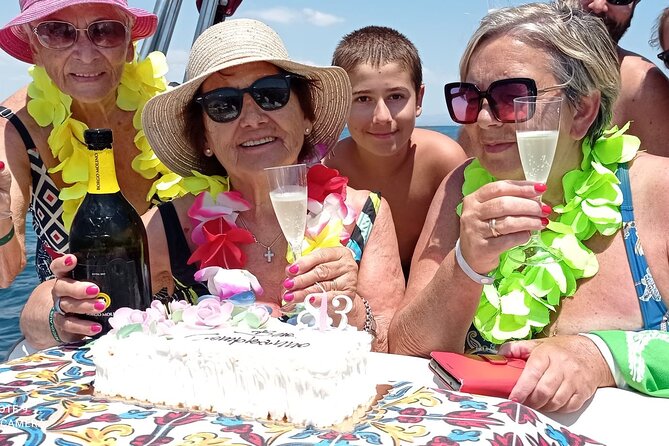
[84,74]
[247,107]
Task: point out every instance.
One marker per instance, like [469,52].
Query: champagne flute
[537,131]
[288,192]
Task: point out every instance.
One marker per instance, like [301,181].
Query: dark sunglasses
[61,35]
[465,101]
[664,56]
[620,2]
[225,104]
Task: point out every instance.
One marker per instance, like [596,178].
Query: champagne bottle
[108,236]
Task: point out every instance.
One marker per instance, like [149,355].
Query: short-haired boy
[385,151]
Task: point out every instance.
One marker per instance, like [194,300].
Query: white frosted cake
[236,361]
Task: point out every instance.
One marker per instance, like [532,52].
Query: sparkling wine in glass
[288,192]
[537,130]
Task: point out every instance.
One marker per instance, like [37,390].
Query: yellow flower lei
[139,83]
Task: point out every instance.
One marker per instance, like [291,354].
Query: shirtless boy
[385,152]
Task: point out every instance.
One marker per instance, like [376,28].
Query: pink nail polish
[96,328]
[540,187]
[69,261]
[546,209]
[294,268]
[2,165]
[99,306]
[288,297]
[544,221]
[288,284]
[93,290]
[312,299]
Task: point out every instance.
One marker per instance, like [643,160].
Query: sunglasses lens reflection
[61,35]
[464,100]
[502,99]
[225,104]
[271,93]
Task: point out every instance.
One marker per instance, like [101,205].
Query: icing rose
[127,316]
[156,312]
[225,283]
[208,314]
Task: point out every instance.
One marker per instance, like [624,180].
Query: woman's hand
[333,268]
[497,217]
[561,373]
[74,299]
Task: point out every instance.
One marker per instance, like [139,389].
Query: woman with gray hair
[467,290]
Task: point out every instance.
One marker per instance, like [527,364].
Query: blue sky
[312,28]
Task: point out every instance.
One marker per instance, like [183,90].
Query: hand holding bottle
[75,299]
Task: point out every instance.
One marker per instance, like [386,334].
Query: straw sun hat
[228,44]
[15,42]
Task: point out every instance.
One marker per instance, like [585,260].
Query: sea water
[13,298]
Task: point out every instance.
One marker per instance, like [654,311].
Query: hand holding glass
[288,192]
[537,130]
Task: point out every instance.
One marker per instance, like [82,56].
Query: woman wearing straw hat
[246,107]
[84,75]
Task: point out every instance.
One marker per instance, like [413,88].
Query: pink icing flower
[208,314]
[177,305]
[224,283]
[156,312]
[205,208]
[164,327]
[126,316]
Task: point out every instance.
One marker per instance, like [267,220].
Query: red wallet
[492,375]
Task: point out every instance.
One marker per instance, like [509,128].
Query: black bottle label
[118,283]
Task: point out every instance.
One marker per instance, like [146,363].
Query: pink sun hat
[15,42]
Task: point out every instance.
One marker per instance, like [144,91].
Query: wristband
[476,277]
[370,322]
[52,326]
[7,238]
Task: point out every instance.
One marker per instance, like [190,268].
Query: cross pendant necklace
[269,254]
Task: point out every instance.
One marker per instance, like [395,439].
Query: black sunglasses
[59,35]
[225,104]
[620,2]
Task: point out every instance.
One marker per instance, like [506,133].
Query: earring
[307,131]
[208,152]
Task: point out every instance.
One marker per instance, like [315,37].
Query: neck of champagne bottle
[101,172]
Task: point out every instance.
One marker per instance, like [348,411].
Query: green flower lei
[518,303]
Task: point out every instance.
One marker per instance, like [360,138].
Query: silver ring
[56,306]
[492,224]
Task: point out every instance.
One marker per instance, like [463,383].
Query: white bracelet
[476,277]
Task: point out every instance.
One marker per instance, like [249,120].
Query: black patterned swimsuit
[45,206]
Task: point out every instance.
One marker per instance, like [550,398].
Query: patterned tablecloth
[43,400]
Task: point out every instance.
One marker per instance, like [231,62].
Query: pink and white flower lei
[218,237]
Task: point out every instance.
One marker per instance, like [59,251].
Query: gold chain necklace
[268,248]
